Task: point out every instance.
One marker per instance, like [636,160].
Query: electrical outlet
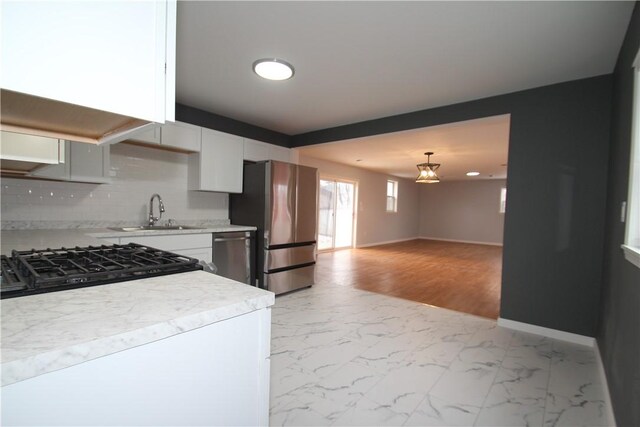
[623,211]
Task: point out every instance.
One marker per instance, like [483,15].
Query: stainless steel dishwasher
[233,254]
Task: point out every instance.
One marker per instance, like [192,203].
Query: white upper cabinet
[113,56]
[84,163]
[279,153]
[182,136]
[148,137]
[218,166]
[89,163]
[28,148]
[256,151]
[174,136]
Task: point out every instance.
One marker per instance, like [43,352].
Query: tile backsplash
[139,173]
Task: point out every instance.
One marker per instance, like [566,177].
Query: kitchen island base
[214,375]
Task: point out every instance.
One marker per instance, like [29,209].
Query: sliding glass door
[336,214]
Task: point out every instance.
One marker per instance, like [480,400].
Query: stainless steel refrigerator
[281,200]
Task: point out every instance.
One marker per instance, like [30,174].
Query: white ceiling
[357,61]
[480,145]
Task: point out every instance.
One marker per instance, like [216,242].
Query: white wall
[375,225]
[141,171]
[462,210]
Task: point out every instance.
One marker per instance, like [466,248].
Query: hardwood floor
[459,276]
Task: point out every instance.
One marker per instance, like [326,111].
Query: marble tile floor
[342,357]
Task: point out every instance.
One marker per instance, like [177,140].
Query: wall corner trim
[547,332]
[611,416]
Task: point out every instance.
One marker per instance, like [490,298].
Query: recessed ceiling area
[357,61]
[480,145]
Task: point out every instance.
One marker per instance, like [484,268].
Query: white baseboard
[547,332]
[461,241]
[386,242]
[611,421]
[573,338]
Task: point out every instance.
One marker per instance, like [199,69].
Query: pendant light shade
[428,170]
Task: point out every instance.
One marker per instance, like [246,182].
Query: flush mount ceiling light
[273,69]
[427,170]
[473,173]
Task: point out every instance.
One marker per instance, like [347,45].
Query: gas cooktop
[49,270]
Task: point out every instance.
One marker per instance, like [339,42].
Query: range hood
[33,115]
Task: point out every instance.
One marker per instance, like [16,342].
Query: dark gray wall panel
[619,332]
[554,223]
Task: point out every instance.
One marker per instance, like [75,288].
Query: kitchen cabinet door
[89,163]
[84,163]
[183,136]
[279,153]
[29,148]
[114,56]
[218,166]
[203,254]
[56,172]
[214,375]
[255,151]
[148,137]
[197,246]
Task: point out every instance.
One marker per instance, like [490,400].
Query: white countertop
[47,332]
[23,240]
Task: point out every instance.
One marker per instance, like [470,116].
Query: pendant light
[427,170]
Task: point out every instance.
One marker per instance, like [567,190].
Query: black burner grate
[38,271]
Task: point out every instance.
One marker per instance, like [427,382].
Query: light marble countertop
[46,332]
[23,240]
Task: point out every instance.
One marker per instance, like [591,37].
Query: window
[392,196]
[503,200]
[631,244]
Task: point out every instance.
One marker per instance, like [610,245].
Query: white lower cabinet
[213,375]
[218,166]
[192,245]
[85,163]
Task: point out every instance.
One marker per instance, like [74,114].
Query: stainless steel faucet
[153,219]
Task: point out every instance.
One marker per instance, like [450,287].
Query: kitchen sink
[155,227]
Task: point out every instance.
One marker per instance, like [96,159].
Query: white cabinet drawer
[174,242]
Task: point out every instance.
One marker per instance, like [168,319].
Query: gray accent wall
[619,331]
[554,225]
[462,210]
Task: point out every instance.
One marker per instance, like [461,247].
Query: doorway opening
[336,214]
